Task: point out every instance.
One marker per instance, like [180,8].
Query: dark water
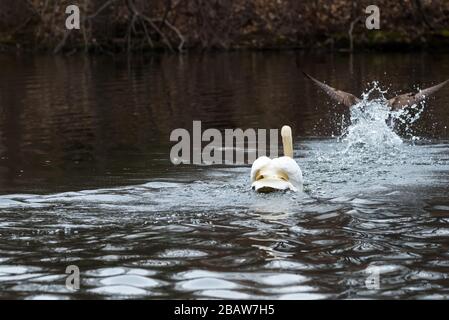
[86,180]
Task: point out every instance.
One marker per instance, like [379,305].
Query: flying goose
[396,103]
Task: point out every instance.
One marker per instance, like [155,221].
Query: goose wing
[342,97]
[408,99]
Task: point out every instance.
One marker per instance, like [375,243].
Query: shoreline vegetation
[115,26]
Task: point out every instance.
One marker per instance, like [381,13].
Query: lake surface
[86,179]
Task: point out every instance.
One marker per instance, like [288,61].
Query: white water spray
[372,124]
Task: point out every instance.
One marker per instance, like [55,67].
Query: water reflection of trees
[78,111]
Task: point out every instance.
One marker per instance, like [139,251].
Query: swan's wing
[410,98]
[342,97]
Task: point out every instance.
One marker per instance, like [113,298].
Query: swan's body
[278,174]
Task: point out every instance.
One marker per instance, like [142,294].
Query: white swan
[277,174]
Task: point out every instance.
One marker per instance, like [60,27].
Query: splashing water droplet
[372,124]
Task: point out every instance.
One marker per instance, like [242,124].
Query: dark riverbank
[134,25]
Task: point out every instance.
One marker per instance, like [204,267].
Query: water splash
[372,124]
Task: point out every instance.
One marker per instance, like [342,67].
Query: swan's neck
[287,141]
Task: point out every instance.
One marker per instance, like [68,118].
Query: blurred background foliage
[177,25]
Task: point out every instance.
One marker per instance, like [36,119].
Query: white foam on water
[372,123]
[371,133]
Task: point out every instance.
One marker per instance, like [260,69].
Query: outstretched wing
[410,98]
[342,97]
